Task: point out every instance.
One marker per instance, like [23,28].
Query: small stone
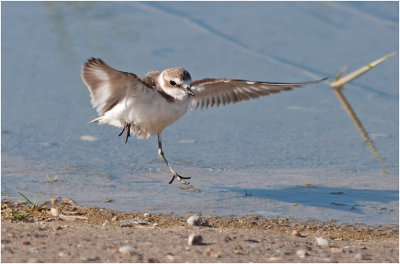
[275,259]
[360,256]
[61,254]
[227,239]
[296,233]
[127,250]
[194,220]
[146,214]
[54,212]
[33,250]
[217,255]
[33,260]
[170,258]
[155,224]
[301,253]
[208,252]
[322,242]
[69,201]
[26,243]
[336,250]
[195,239]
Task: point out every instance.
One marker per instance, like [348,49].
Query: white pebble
[54,212]
[146,214]
[296,233]
[194,220]
[127,250]
[301,253]
[195,239]
[170,258]
[322,242]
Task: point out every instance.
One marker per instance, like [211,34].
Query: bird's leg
[128,132]
[175,175]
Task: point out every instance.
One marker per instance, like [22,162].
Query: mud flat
[71,233]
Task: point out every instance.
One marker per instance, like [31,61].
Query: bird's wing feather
[213,92]
[108,86]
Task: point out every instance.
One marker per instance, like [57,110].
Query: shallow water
[294,154]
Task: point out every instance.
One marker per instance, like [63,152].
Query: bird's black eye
[172,83]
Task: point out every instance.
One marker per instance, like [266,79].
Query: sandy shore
[83,234]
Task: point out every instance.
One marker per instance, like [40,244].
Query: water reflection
[347,107]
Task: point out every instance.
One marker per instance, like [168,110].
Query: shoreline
[92,234]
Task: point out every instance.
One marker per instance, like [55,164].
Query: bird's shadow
[318,196]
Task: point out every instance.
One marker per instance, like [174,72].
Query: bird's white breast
[148,113]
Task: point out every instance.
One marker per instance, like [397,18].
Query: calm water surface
[294,154]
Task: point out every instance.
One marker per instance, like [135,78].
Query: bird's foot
[180,178]
[128,131]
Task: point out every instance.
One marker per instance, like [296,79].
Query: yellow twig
[341,81]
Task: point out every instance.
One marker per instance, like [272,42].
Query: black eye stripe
[172,83]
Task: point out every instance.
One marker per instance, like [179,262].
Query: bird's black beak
[189,91]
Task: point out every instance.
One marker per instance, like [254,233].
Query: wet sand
[92,234]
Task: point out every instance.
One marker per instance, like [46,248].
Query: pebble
[195,239]
[296,233]
[275,259]
[61,254]
[322,242]
[69,201]
[194,220]
[210,253]
[54,212]
[26,243]
[170,258]
[33,250]
[336,250]
[146,214]
[127,250]
[301,253]
[360,256]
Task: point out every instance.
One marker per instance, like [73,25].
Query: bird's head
[176,82]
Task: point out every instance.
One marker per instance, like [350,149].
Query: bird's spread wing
[210,92]
[108,86]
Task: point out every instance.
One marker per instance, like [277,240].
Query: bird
[145,105]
